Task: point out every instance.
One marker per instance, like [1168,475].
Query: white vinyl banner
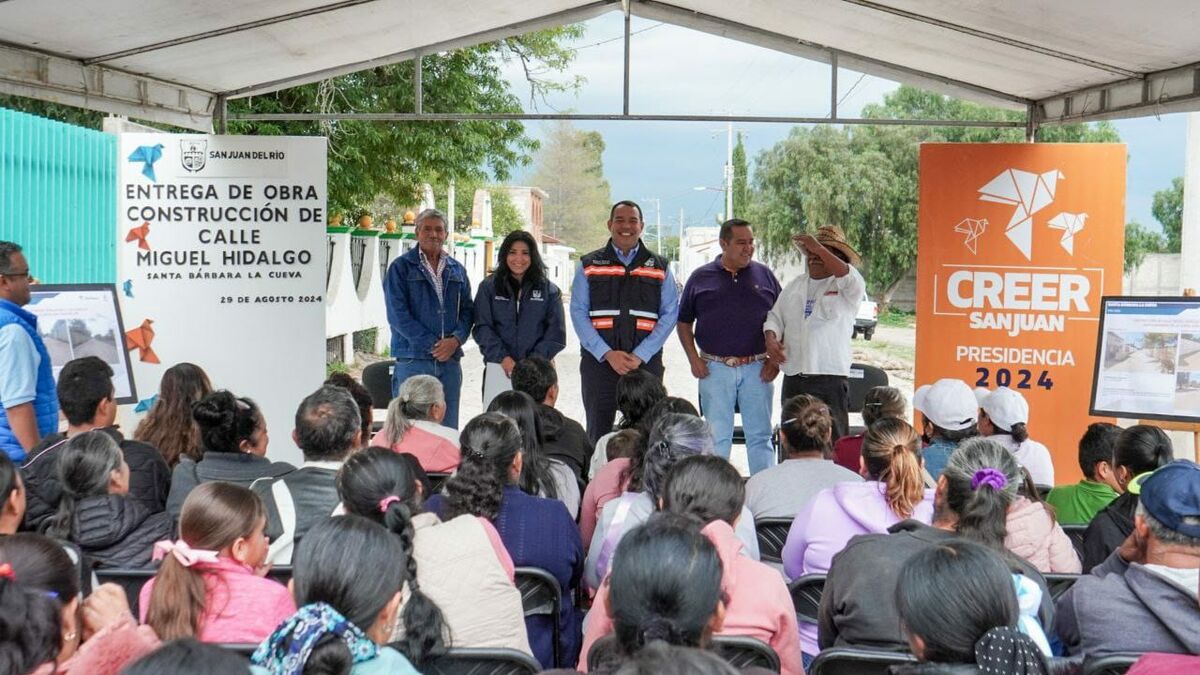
[221,262]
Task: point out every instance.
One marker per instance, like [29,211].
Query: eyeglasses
[28,274]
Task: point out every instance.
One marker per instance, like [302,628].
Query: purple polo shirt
[729,310]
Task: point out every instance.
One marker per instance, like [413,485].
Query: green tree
[1140,242]
[669,248]
[1168,211]
[570,167]
[741,184]
[864,178]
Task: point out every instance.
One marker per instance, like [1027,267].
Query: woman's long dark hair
[982,511]
[1143,448]
[45,579]
[704,487]
[665,584]
[637,393]
[637,465]
[169,426]
[951,595]
[490,442]
[534,276]
[366,479]
[354,565]
[536,478]
[85,466]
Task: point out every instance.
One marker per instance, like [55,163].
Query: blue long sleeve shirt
[589,337]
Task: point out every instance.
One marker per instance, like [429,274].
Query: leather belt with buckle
[734,361]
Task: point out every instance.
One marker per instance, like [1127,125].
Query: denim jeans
[720,391]
[448,373]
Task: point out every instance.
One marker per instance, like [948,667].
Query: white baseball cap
[948,403]
[1004,407]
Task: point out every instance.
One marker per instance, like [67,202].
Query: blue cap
[1171,494]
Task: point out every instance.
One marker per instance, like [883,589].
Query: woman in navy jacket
[518,312]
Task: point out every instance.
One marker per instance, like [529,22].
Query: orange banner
[1017,243]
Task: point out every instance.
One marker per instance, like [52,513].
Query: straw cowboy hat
[832,237]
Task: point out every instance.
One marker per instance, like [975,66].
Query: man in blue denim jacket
[429,309]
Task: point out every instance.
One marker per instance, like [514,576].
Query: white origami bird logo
[1029,193]
[1070,224]
[973,229]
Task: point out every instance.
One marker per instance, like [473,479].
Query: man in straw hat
[808,331]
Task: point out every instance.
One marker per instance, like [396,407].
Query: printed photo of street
[1140,352]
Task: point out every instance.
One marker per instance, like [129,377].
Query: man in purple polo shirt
[728,300]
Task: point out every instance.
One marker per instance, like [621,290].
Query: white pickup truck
[866,319]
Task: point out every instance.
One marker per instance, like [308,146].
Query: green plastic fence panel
[58,197]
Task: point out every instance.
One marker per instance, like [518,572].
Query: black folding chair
[437,481]
[541,596]
[1075,533]
[745,652]
[482,661]
[806,596]
[772,534]
[1115,664]
[1059,583]
[871,377]
[130,580]
[280,573]
[245,649]
[855,661]
[377,378]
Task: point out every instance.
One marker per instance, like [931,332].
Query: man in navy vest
[28,400]
[624,304]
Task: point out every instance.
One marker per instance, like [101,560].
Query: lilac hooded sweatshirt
[826,524]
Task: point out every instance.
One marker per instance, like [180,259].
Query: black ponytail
[30,628]
[424,625]
[490,443]
[1142,448]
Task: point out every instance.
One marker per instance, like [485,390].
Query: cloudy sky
[679,71]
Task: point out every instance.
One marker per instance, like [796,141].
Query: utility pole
[657,220]
[728,170]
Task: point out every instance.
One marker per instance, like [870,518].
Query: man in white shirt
[809,329]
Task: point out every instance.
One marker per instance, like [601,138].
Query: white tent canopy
[177,62]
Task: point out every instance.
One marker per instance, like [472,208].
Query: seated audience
[327,430]
[44,619]
[675,436]
[366,406]
[414,425]
[1004,418]
[1077,504]
[540,475]
[95,511]
[87,399]
[757,604]
[564,438]
[878,403]
[637,392]
[537,532]
[610,481]
[1139,450]
[949,412]
[349,584]
[665,589]
[971,502]
[782,490]
[892,492]
[169,425]
[186,656]
[977,630]
[233,441]
[1033,533]
[12,491]
[209,585]
[1143,597]
[460,565]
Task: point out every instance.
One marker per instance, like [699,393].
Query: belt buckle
[731,361]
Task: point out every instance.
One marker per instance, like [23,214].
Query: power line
[619,37]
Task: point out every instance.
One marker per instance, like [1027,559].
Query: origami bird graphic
[1029,193]
[148,155]
[139,235]
[145,404]
[140,339]
[973,229]
[1070,224]
[127,288]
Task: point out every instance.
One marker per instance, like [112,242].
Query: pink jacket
[1034,536]
[240,606]
[759,604]
[605,487]
[107,652]
[435,446]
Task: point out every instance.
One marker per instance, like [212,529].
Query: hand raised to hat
[808,243]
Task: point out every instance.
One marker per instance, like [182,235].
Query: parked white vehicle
[866,319]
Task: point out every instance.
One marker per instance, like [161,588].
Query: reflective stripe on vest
[604,270]
[645,324]
[605,312]
[601,324]
[644,315]
[650,272]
